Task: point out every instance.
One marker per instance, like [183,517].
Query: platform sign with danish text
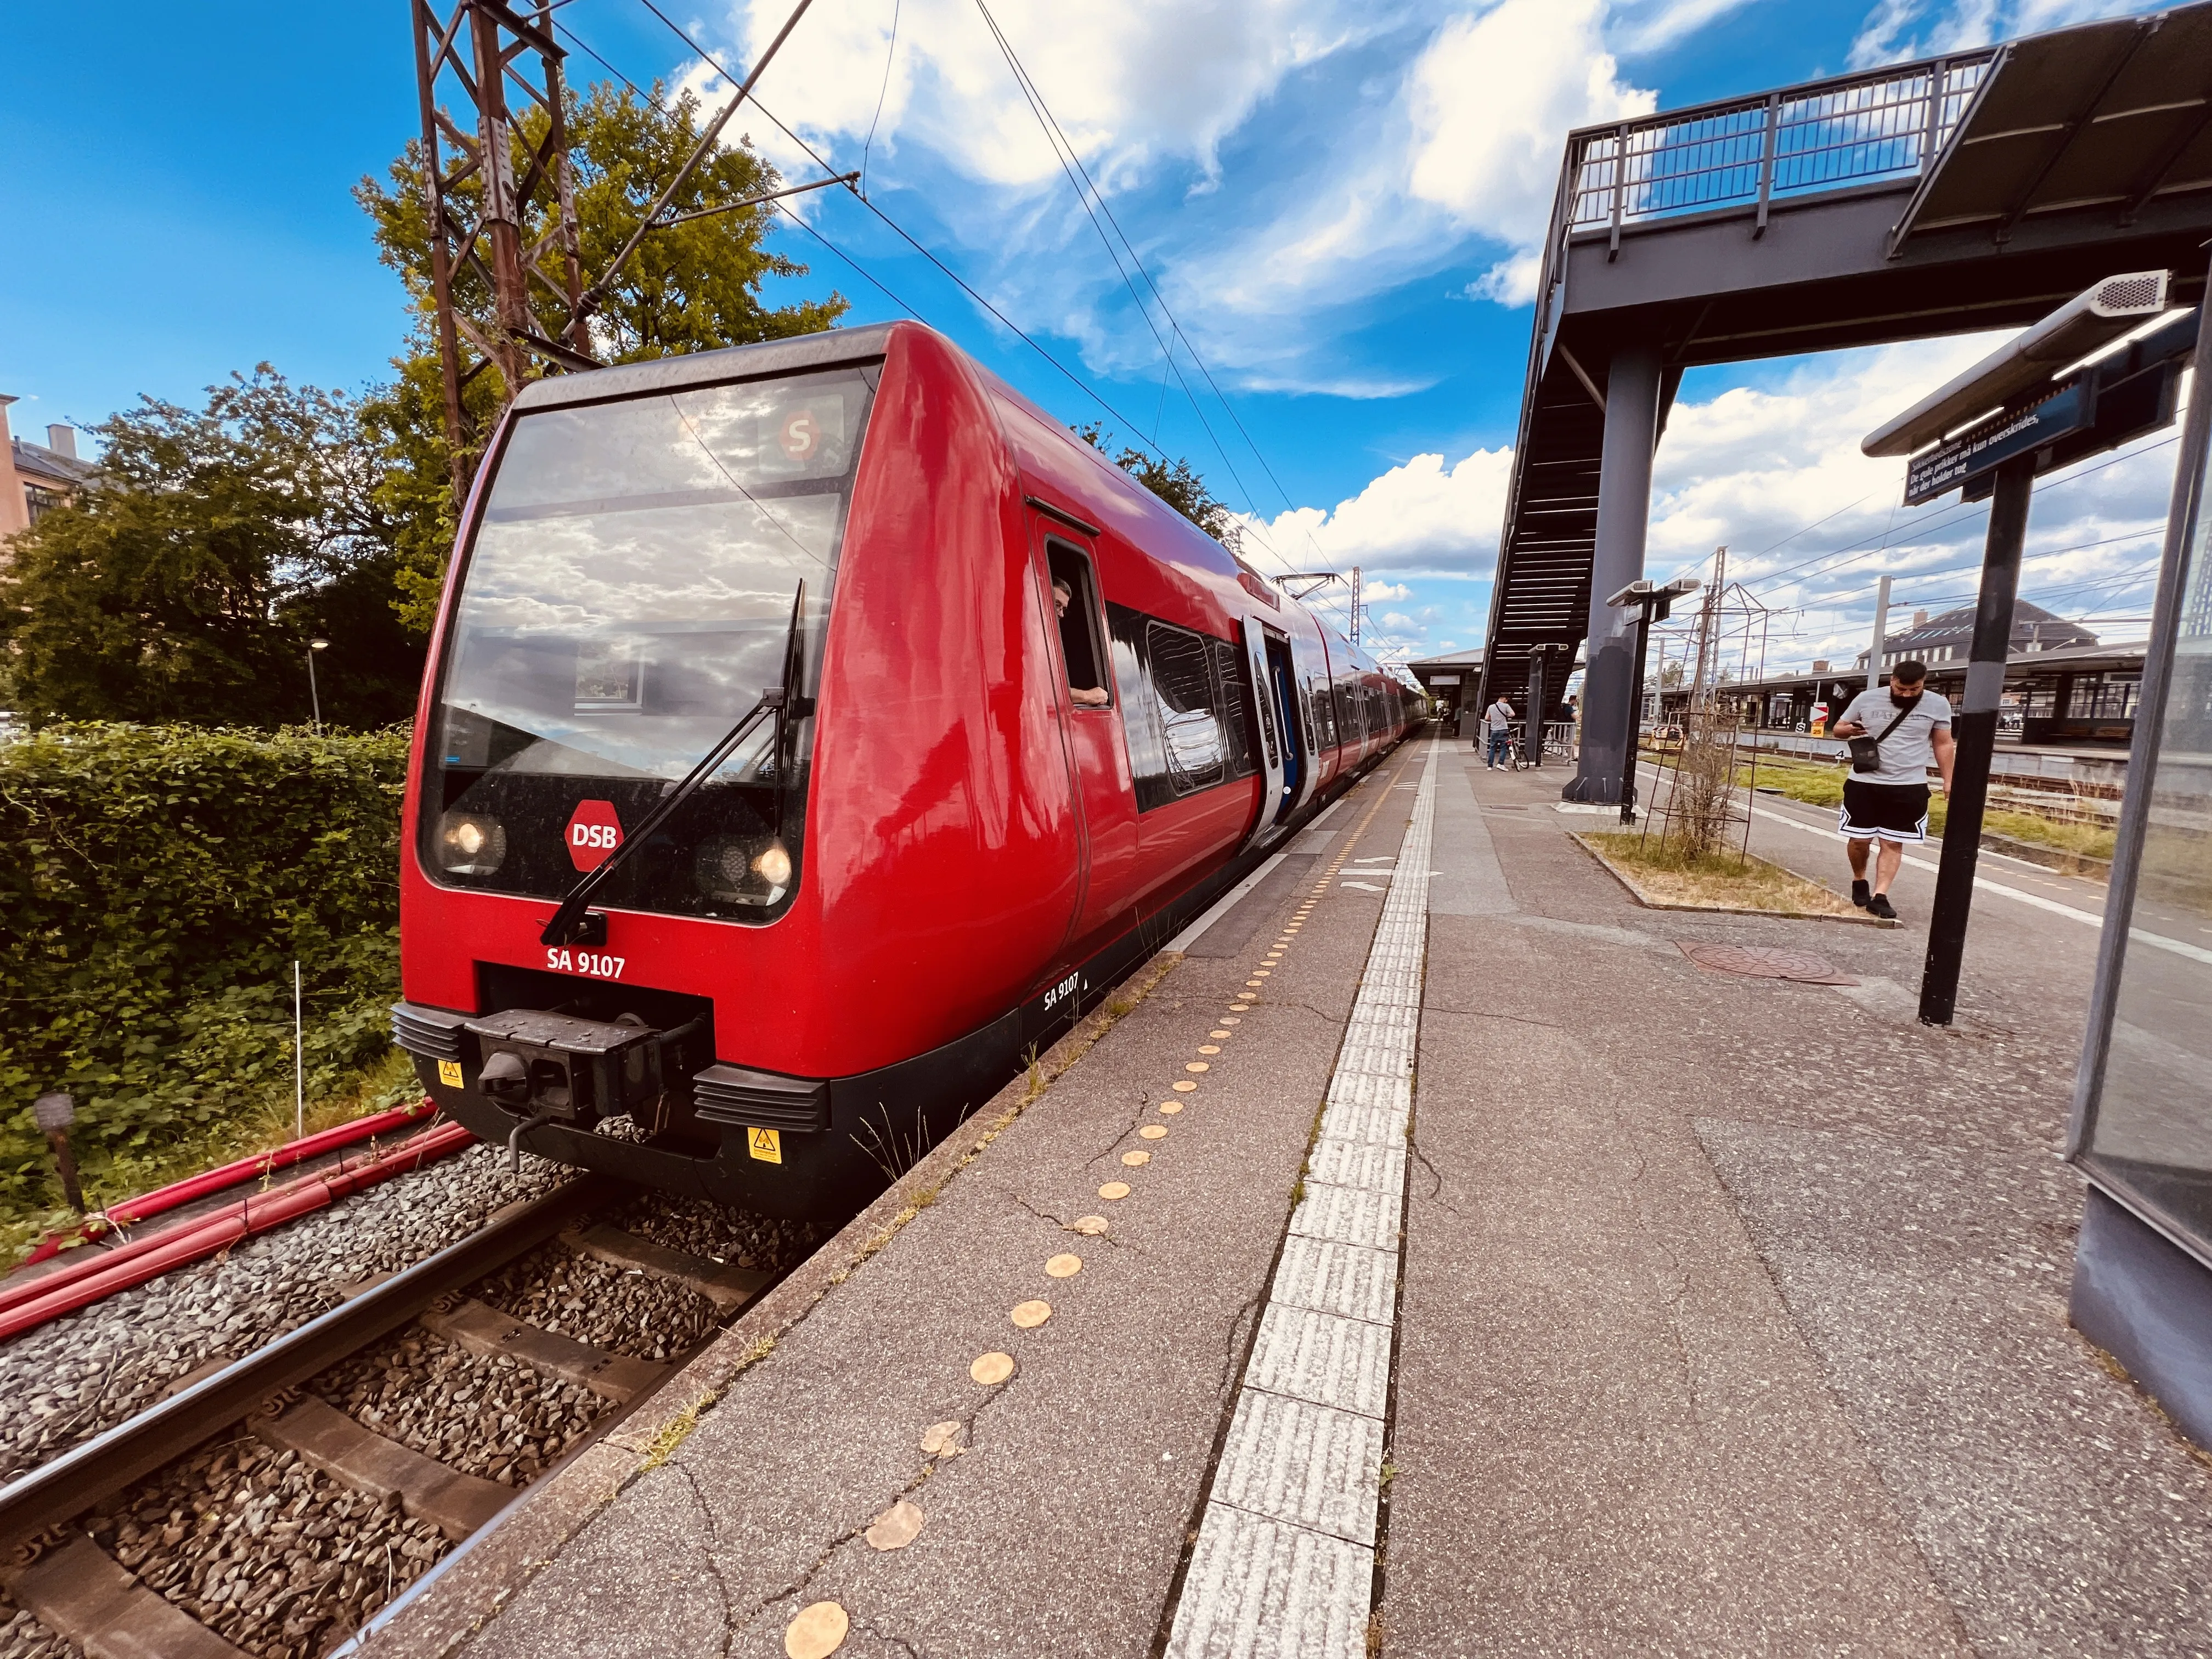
[2014,432]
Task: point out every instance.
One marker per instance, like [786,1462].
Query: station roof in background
[1980,190]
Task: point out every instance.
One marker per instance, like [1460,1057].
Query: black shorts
[1892,811]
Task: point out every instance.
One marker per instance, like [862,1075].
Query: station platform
[1425,1255]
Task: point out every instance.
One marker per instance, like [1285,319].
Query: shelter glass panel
[2150,1132]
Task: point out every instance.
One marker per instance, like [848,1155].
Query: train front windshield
[629,594]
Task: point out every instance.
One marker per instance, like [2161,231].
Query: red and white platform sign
[594,831]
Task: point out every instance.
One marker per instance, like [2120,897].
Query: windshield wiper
[573,924]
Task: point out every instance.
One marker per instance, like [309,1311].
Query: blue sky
[1337,199]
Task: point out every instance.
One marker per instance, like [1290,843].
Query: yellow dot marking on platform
[1136,1159]
[1259,974]
[1214,1033]
[1154,1132]
[1198,1066]
[1028,1316]
[1253,982]
[816,1632]
[1230,1019]
[1114,1191]
[1170,1108]
[1184,1086]
[938,1438]
[1091,1226]
[1065,1265]
[991,1369]
[1209,1048]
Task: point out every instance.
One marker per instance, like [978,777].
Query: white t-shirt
[1909,752]
[1497,717]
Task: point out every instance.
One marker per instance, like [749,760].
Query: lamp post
[314,694]
[1653,603]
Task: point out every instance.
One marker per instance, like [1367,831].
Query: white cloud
[1420,517]
[1377,592]
[1775,475]
[1130,83]
[1897,31]
[1490,98]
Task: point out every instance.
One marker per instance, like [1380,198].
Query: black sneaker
[1878,905]
[1860,892]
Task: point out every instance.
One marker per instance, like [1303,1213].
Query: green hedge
[160,882]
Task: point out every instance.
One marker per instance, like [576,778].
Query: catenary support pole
[1974,729]
[1876,674]
[1624,507]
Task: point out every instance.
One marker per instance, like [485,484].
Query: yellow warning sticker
[766,1145]
[449,1073]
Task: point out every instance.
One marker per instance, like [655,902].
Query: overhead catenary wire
[1074,379]
[1087,193]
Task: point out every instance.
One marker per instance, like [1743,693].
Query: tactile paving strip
[1284,1562]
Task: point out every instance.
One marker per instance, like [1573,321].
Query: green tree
[694,286]
[1177,482]
[185,586]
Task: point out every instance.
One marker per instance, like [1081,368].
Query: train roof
[1102,482]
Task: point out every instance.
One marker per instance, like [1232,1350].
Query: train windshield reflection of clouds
[630,589]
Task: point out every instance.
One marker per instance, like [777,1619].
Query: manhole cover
[1766,961]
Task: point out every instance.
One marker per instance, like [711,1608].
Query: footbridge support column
[1623,509]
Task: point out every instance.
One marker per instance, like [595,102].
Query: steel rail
[57,1491]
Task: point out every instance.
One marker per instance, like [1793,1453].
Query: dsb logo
[594,831]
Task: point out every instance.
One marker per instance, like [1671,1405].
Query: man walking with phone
[1895,734]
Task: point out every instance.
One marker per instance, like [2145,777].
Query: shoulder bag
[1866,752]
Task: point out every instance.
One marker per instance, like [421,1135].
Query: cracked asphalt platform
[1732,1318]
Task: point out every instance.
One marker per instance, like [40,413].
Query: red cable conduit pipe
[132,1211]
[109,1271]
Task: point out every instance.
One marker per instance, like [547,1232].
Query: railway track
[271,1506]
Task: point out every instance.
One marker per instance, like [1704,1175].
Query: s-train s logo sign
[594,831]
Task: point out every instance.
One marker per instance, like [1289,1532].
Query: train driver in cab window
[1075,644]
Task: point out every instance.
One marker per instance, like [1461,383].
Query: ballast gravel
[23,1637]
[82,1375]
[622,1310]
[273,1556]
[495,1417]
[739,1238]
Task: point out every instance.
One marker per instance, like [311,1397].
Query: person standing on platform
[1498,732]
[1886,796]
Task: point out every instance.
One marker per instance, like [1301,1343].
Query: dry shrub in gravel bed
[737,1238]
[23,1637]
[494,1418]
[622,1310]
[275,1557]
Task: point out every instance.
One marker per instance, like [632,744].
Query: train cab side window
[1076,599]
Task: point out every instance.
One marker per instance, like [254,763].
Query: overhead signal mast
[481,208]
[504,239]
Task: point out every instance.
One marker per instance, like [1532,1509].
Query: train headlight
[773,866]
[743,870]
[472,844]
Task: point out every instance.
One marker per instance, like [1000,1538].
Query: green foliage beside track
[162,880]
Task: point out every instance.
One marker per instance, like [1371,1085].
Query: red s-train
[1008,722]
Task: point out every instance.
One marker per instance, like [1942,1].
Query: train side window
[1235,713]
[1076,598]
[1182,685]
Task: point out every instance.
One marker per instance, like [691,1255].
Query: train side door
[1090,701]
[1268,704]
